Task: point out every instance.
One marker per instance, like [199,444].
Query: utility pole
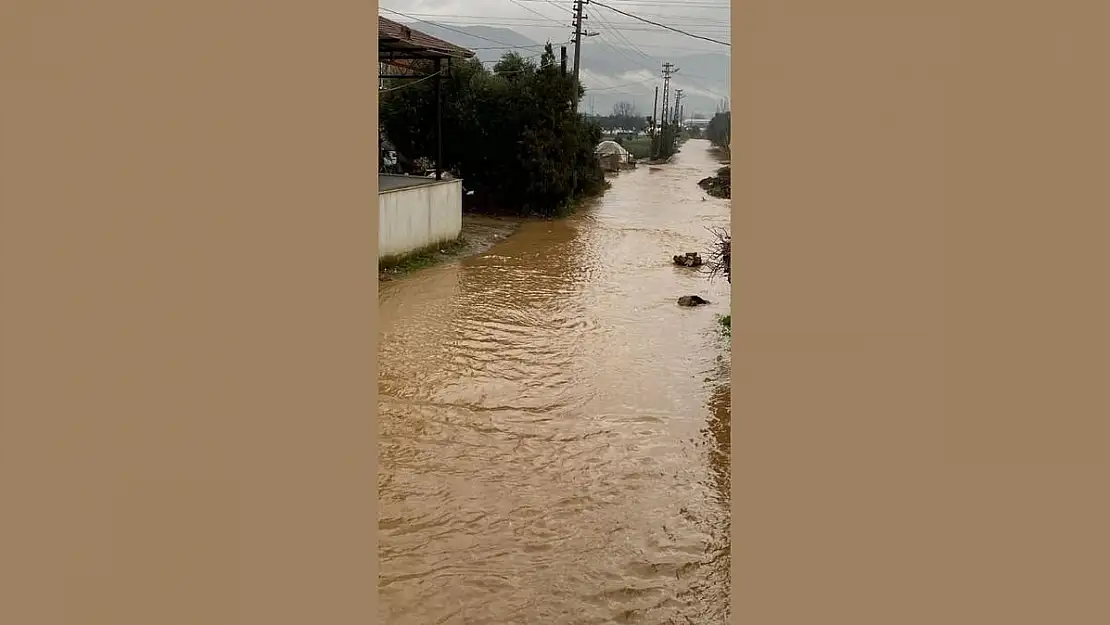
[654,121]
[579,15]
[678,117]
[668,70]
[666,88]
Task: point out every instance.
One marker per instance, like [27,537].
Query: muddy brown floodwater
[554,428]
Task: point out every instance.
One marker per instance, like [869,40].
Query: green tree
[511,133]
[719,130]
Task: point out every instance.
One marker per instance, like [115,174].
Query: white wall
[415,217]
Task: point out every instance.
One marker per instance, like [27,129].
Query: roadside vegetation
[628,127]
[645,148]
[719,133]
[720,184]
[638,147]
[726,324]
[510,132]
[719,130]
[720,264]
[625,119]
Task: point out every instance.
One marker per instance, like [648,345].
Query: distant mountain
[611,73]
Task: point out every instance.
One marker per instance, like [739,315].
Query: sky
[544,20]
[636,41]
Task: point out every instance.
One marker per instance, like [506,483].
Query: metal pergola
[406,50]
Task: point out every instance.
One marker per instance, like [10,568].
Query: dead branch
[719,261]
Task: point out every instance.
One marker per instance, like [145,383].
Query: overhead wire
[557,6]
[535,12]
[508,22]
[664,26]
[630,60]
[627,84]
[408,84]
[501,44]
[444,26]
[696,4]
[604,23]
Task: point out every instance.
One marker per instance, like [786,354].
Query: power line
[630,60]
[672,48]
[535,12]
[444,26]
[719,31]
[621,53]
[538,45]
[510,21]
[703,89]
[605,23]
[671,28]
[693,4]
[627,84]
[409,84]
[529,22]
[557,6]
[623,40]
[523,58]
[530,66]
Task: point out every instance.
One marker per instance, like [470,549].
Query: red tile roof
[400,38]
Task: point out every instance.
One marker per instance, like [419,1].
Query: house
[414,212]
[403,50]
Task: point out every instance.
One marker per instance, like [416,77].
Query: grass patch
[421,258]
[726,324]
[639,147]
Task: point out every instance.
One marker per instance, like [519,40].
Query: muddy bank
[479,233]
[719,185]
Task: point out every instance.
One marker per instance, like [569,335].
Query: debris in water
[691,300]
[690,259]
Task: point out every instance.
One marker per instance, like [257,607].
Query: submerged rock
[691,300]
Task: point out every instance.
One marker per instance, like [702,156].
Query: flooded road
[554,428]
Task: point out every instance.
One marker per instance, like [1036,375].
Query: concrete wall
[413,217]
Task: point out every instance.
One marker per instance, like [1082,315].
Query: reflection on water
[554,429]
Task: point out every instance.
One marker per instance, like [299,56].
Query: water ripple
[553,429]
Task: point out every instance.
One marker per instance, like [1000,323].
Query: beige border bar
[920,312]
[187,389]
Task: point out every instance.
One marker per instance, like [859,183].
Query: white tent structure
[612,155]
